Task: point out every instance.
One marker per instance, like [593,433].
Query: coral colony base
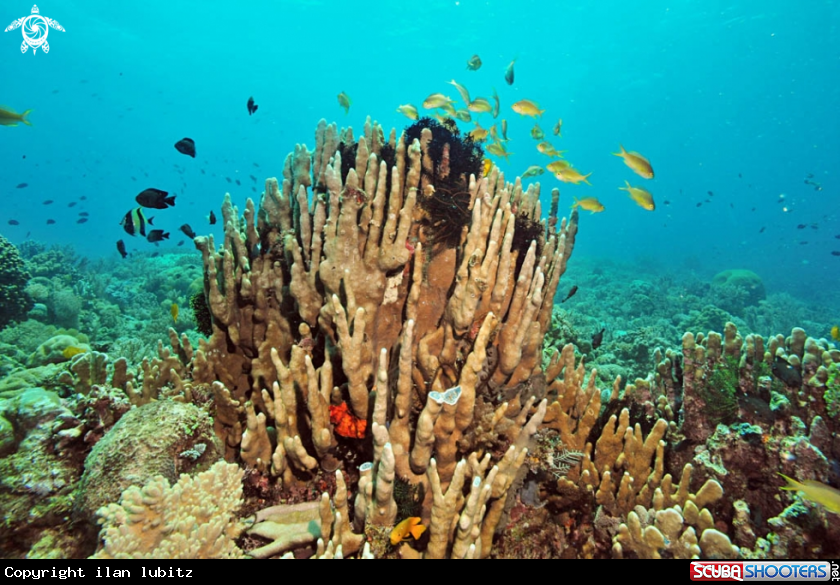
[373,383]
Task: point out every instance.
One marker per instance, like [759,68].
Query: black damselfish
[188,231]
[121,248]
[155,199]
[186,146]
[157,236]
[252,107]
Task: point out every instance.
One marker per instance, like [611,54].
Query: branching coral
[14,301]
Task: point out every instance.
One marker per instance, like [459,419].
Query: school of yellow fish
[495,138]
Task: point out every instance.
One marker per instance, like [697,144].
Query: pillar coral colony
[55,573]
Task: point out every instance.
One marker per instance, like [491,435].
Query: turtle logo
[34,28]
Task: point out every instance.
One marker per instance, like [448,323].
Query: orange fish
[409,527]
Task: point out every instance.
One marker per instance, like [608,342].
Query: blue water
[740,99]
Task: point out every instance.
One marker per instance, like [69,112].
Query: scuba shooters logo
[35,29]
[801,571]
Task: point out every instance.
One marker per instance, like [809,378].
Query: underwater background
[734,103]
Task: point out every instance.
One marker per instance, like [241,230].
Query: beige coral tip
[716,545]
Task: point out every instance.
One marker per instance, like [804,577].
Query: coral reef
[14,301]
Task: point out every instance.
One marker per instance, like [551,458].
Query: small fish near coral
[598,338]
[173,310]
[72,350]
[572,292]
[408,528]
[188,231]
[134,222]
[212,218]
[155,199]
[835,333]
[344,102]
[786,372]
[815,491]
[156,236]
[121,248]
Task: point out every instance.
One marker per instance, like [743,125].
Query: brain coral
[14,302]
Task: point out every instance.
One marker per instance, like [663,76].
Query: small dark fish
[667,202]
[707,201]
[252,107]
[699,204]
[732,205]
[133,178]
[84,213]
[753,209]
[815,226]
[203,172]
[254,189]
[509,73]
[572,292]
[256,165]
[82,220]
[48,202]
[237,182]
[72,204]
[180,243]
[22,186]
[186,146]
[155,199]
[597,339]
[228,179]
[14,222]
[253,178]
[82,198]
[50,221]
[24,156]
[212,218]
[761,231]
[802,243]
[188,231]
[835,252]
[121,248]
[710,193]
[801,226]
[786,372]
[837,237]
[157,236]
[155,255]
[739,175]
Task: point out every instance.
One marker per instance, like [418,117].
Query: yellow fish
[495,111]
[72,350]
[478,134]
[441,118]
[547,149]
[816,492]
[463,115]
[835,333]
[532,171]
[474,63]
[527,108]
[558,166]
[589,204]
[494,134]
[465,95]
[634,160]
[488,166]
[344,102]
[8,117]
[642,198]
[558,127]
[571,175]
[408,111]
[449,109]
[173,310]
[498,150]
[410,527]
[436,100]
[480,105]
[504,130]
[537,133]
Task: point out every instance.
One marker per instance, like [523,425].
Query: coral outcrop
[14,301]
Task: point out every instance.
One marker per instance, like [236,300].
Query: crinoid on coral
[448,162]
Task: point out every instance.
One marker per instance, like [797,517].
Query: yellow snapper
[634,160]
[465,95]
[589,204]
[478,133]
[547,149]
[527,108]
[8,117]
[558,166]
[537,133]
[816,492]
[558,127]
[498,150]
[436,100]
[408,111]
[463,115]
[642,198]
[474,64]
[571,175]
[344,102]
[533,171]
[449,109]
[410,527]
[480,105]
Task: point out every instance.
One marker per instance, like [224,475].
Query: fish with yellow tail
[9,117]
[173,310]
[474,64]
[537,132]
[571,175]
[532,171]
[408,528]
[497,149]
[436,100]
[465,95]
[642,198]
[815,491]
[344,102]
[835,333]
[639,164]
[548,149]
[558,127]
[478,134]
[408,111]
[480,105]
[527,108]
[589,204]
